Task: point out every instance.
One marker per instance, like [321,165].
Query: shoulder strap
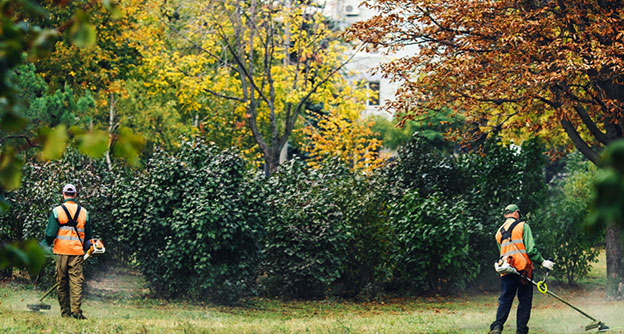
[506,234]
[73,221]
[69,217]
[77,213]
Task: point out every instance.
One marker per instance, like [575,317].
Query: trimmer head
[38,307]
[597,324]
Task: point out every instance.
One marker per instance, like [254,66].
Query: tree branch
[591,125]
[580,144]
[30,143]
[291,122]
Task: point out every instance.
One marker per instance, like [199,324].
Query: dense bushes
[480,184]
[306,238]
[559,222]
[199,225]
[40,192]
[328,228]
[194,222]
[434,247]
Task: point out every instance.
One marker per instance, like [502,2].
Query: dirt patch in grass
[116,282]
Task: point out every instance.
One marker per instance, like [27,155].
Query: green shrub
[307,240]
[486,182]
[433,235]
[364,199]
[194,220]
[423,168]
[40,192]
[498,177]
[559,223]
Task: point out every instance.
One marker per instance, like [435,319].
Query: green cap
[511,208]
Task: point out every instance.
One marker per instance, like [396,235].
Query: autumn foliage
[513,68]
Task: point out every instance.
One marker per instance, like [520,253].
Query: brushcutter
[504,267]
[96,247]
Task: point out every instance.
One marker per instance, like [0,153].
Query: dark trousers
[510,284]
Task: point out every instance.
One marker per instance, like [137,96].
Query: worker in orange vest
[68,229]
[516,246]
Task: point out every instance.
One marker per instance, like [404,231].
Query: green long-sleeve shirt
[529,244]
[53,226]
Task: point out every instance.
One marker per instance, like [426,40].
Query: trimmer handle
[547,271]
[95,247]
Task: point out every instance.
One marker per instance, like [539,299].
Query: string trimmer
[97,247]
[503,267]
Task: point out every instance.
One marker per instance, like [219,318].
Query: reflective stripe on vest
[522,251]
[67,242]
[514,248]
[507,242]
[71,228]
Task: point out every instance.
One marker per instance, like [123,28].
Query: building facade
[382,90]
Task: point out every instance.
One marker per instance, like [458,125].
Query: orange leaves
[494,59]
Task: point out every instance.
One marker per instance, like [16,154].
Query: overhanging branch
[580,144]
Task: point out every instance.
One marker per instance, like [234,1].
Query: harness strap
[73,222]
[506,234]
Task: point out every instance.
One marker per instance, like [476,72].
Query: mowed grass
[113,307]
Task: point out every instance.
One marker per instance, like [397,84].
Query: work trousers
[510,284]
[70,279]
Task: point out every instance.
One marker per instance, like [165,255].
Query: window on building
[373,93]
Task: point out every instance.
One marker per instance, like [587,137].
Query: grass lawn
[115,304]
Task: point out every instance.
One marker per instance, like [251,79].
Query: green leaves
[307,238]
[434,242]
[197,215]
[128,145]
[113,8]
[28,255]
[608,203]
[10,169]
[558,225]
[44,43]
[83,33]
[12,122]
[54,142]
[93,144]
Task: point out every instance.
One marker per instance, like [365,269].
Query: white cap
[69,189]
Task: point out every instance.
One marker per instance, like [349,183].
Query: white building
[345,13]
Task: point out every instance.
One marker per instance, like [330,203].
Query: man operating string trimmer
[68,228]
[516,245]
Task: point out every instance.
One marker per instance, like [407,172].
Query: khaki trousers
[70,279]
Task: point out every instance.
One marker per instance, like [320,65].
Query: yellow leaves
[351,141]
[343,133]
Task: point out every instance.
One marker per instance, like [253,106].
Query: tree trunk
[615,265]
[283,153]
[111,127]
[271,161]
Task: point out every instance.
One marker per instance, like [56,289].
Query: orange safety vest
[67,242]
[513,249]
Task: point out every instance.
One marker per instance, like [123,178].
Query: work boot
[496,330]
[78,316]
